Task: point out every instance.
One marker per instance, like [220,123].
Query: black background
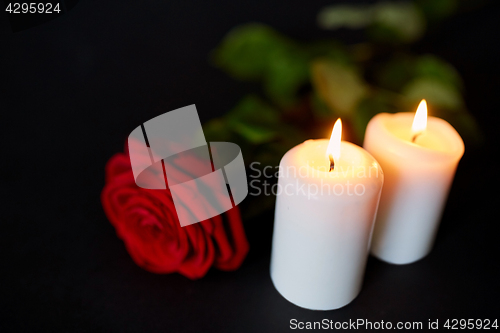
[73,88]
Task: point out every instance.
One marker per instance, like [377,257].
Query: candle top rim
[406,148]
[360,168]
[352,158]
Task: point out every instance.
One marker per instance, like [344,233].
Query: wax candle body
[323,224]
[418,176]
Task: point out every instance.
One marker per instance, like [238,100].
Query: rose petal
[236,235]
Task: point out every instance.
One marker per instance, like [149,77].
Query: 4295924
[461,324]
[32,7]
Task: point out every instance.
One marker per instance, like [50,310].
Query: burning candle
[327,198]
[419,156]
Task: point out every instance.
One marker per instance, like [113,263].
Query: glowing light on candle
[420,121]
[333,149]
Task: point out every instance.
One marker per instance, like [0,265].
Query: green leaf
[257,52]
[392,22]
[435,92]
[396,22]
[253,109]
[254,120]
[403,68]
[340,87]
[345,16]
[244,52]
[287,71]
[430,66]
[254,133]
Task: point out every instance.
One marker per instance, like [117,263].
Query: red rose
[146,221]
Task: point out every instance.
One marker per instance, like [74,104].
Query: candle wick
[332,162]
[415,137]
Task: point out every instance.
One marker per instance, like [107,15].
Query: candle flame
[420,121]
[333,148]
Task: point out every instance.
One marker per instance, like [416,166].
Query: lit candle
[327,198]
[419,156]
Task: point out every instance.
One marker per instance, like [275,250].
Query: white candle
[419,158]
[324,222]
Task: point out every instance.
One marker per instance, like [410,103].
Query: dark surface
[71,91]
